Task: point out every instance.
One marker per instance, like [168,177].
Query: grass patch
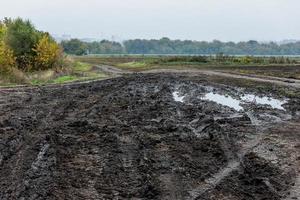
[82,67]
[14,77]
[64,79]
[36,82]
[135,66]
[78,71]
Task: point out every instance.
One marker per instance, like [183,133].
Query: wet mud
[130,138]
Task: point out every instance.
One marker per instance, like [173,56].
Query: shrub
[49,54]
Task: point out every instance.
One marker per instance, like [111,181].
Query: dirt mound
[128,138]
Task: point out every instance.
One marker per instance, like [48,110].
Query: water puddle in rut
[236,103]
[178,98]
[223,100]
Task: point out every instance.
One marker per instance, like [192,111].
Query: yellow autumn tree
[3,30]
[48,54]
[7,59]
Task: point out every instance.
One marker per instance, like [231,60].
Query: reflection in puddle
[236,103]
[221,99]
[177,97]
[249,98]
[274,103]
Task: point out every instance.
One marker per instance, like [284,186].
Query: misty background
[226,20]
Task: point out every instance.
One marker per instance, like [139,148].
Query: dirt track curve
[276,80]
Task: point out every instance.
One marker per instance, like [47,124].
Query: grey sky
[225,20]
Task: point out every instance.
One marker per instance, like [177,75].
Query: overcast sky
[226,20]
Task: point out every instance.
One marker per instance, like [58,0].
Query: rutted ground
[128,138]
[290,82]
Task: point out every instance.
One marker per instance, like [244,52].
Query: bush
[49,54]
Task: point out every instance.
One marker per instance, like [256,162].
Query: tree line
[167,46]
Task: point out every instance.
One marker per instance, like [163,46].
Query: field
[264,66]
[154,130]
[86,68]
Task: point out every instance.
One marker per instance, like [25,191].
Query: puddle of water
[223,100]
[274,103]
[235,103]
[177,97]
[249,98]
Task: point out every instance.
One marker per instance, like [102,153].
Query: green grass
[82,67]
[134,65]
[133,61]
[243,65]
[79,72]
[36,82]
[64,79]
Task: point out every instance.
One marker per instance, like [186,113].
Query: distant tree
[75,47]
[167,46]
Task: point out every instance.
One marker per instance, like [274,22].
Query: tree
[75,47]
[21,37]
[3,30]
[3,27]
[24,47]
[7,59]
[48,54]
[167,46]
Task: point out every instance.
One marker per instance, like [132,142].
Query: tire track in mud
[295,190]
[275,80]
[235,160]
[213,181]
[88,158]
[117,72]
[233,164]
[285,82]
[112,70]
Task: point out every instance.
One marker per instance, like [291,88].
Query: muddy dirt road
[289,82]
[148,136]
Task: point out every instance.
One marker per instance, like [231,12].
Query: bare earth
[128,138]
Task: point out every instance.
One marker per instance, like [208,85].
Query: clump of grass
[133,65]
[14,77]
[36,82]
[82,67]
[64,79]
